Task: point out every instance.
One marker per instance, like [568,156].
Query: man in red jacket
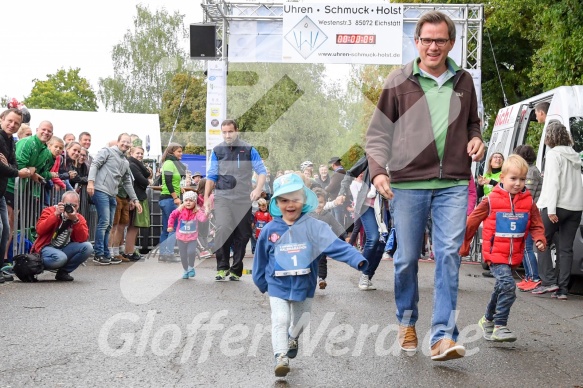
[62,237]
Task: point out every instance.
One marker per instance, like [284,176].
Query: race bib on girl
[187,227]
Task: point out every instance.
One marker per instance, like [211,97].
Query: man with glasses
[426,131]
[62,237]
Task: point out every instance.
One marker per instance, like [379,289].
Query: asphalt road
[140,324]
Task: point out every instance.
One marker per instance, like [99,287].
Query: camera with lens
[69,208]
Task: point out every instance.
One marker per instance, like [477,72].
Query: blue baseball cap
[289,183]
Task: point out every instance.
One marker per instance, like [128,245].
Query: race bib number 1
[293,256]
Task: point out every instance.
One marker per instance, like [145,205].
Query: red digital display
[355,39]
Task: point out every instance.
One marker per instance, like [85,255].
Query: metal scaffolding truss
[469,16]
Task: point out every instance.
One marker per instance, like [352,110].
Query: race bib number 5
[511,224]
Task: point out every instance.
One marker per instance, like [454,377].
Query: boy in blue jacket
[286,263]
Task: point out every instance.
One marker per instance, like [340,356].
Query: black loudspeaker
[203,41]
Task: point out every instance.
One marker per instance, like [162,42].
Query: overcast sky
[40,37]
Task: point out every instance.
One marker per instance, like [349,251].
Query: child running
[509,214]
[188,215]
[261,217]
[327,217]
[286,263]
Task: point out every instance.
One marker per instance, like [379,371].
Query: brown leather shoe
[123,258]
[407,338]
[446,349]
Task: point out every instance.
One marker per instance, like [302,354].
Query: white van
[515,122]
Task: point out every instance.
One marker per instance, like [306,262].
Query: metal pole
[177,116]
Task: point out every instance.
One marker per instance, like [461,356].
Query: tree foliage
[535,46]
[4,101]
[552,29]
[295,114]
[144,63]
[64,90]
[287,111]
[364,90]
[192,117]
[290,113]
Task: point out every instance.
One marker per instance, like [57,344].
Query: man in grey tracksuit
[108,169]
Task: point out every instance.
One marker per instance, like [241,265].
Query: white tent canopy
[103,126]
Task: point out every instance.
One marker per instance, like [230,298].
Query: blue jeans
[4,229]
[167,206]
[105,206]
[339,213]
[373,247]
[503,296]
[67,258]
[448,210]
[529,260]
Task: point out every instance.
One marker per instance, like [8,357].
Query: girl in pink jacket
[187,216]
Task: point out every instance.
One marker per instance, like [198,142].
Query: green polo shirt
[438,91]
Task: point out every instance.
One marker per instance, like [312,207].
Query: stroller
[206,243]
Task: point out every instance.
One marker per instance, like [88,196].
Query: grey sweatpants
[287,318]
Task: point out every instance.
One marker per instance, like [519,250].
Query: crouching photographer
[62,237]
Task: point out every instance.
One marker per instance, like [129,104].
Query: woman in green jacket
[172,173]
[492,175]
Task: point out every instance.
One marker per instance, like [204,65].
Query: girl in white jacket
[561,204]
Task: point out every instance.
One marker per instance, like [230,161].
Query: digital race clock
[355,39]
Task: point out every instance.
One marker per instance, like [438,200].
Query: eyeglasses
[498,157]
[429,41]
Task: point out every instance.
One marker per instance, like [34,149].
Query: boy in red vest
[509,213]
[261,217]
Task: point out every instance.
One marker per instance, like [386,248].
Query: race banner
[342,33]
[216,107]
